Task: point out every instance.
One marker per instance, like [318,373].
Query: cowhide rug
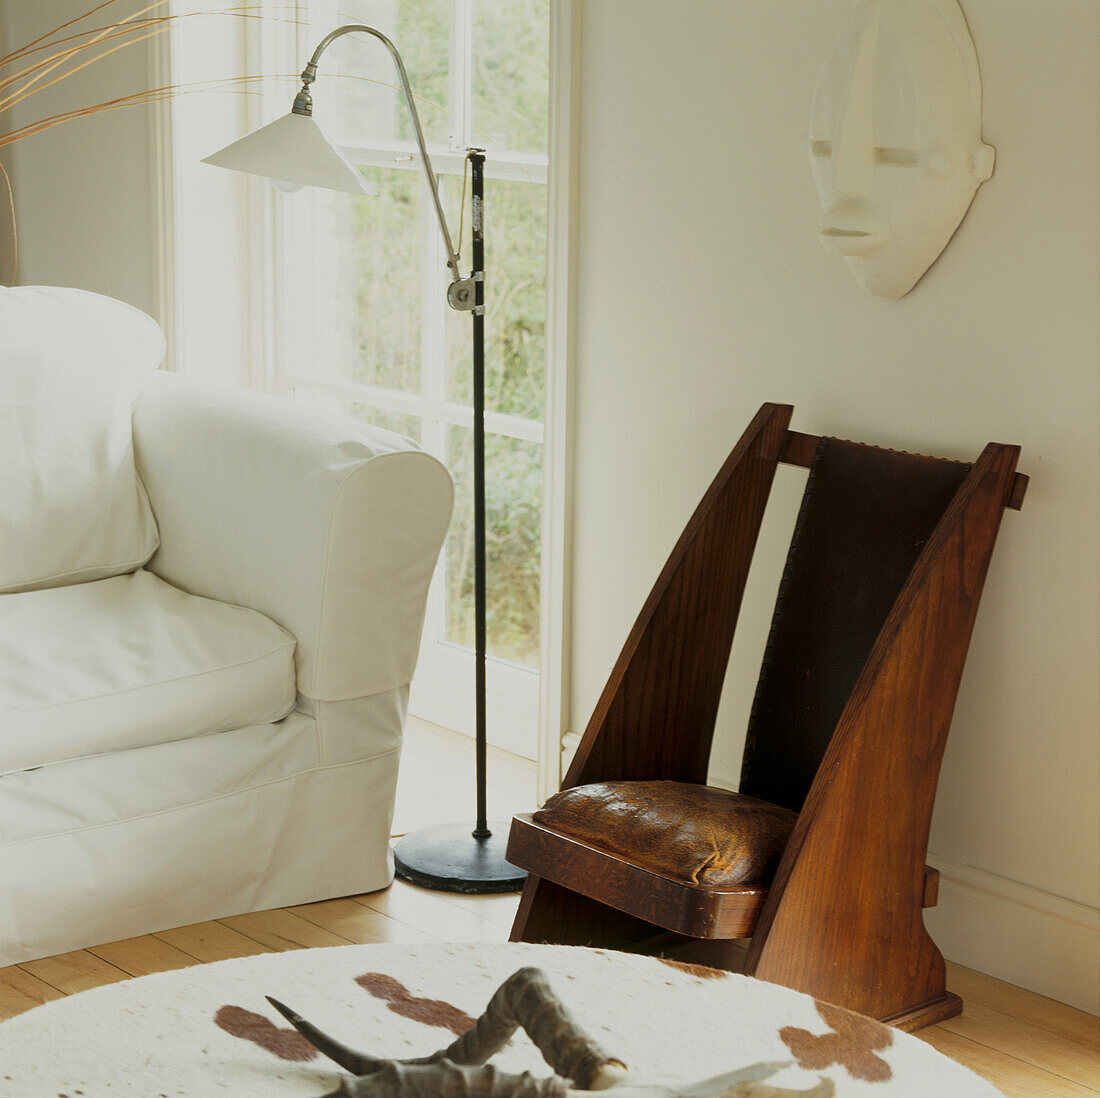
[208,1030]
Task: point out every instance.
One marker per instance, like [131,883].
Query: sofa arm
[329,527]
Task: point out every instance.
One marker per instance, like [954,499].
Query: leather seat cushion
[129,662]
[694,833]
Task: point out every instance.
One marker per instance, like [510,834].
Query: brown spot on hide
[432,1012]
[287,1044]
[701,972]
[852,1044]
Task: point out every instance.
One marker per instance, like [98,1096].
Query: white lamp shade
[293,152]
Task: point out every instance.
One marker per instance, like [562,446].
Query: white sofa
[210,608]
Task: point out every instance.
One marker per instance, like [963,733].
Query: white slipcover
[331,530]
[71,505]
[321,525]
[130,661]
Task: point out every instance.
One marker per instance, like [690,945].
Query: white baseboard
[570,741]
[1017,933]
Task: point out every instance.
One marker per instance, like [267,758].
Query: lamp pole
[452,857]
[476,159]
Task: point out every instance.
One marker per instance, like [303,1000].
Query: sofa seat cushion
[128,662]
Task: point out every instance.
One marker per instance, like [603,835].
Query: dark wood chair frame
[842,918]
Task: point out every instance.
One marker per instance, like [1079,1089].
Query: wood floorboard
[208,942]
[357,923]
[1048,1014]
[499,909]
[1026,1045]
[73,972]
[20,991]
[143,956]
[429,913]
[1016,1078]
[1051,1052]
[280,930]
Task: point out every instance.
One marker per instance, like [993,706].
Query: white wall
[86,205]
[97,197]
[703,291]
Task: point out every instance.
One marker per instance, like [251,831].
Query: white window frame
[555,711]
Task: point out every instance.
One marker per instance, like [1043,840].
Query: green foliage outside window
[382,233]
[515,320]
[511,73]
[513,514]
[509,92]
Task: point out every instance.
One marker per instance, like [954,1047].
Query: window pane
[364,255]
[384,232]
[397,422]
[513,506]
[511,73]
[515,298]
[359,80]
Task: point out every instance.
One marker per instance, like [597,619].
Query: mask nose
[853,162]
[853,159]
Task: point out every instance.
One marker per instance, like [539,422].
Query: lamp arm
[303,104]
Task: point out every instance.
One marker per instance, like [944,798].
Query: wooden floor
[1028,1046]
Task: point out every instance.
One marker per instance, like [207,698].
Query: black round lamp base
[450,859]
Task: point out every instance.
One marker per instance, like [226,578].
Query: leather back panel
[865,516]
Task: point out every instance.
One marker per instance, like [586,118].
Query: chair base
[948,1005]
[731,956]
[557,915]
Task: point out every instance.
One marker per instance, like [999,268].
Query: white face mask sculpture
[896,139]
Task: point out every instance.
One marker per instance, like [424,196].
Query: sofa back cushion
[72,508]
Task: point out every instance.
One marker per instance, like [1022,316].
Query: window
[361,322]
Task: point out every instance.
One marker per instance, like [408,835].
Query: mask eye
[941,164]
[899,158]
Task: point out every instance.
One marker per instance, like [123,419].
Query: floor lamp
[293,152]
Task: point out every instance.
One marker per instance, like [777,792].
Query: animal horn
[357,1063]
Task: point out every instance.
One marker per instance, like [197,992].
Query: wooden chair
[848,728]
